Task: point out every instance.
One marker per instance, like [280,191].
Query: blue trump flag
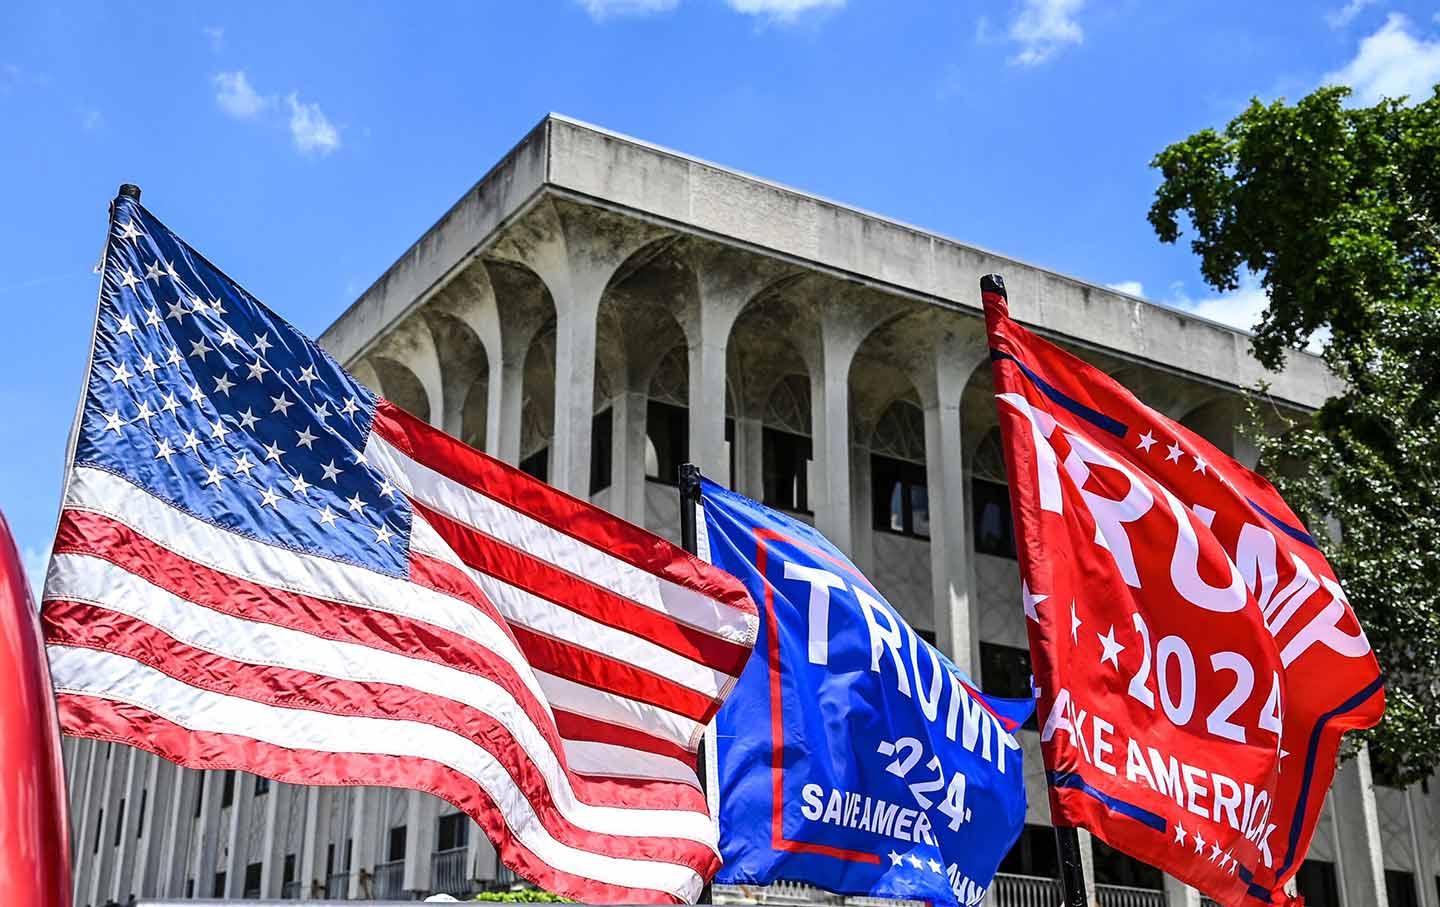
[853,755]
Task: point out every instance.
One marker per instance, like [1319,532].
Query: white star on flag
[1173,456]
[1112,648]
[1030,600]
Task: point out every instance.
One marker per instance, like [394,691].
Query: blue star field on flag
[207,399]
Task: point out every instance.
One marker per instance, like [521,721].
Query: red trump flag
[1195,659]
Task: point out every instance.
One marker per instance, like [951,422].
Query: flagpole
[1067,838]
[689,481]
[1072,871]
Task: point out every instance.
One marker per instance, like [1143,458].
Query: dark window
[537,464]
[252,880]
[453,832]
[262,786]
[396,848]
[787,470]
[1005,671]
[349,847]
[288,875]
[119,823]
[227,793]
[217,890]
[99,831]
[900,497]
[994,527]
[1033,854]
[1400,889]
[1115,868]
[144,796]
[667,441]
[189,888]
[1316,881]
[600,450]
[329,858]
[108,748]
[200,792]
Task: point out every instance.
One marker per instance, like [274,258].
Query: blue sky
[303,147]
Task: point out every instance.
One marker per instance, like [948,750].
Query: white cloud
[1346,14]
[1391,63]
[1043,27]
[782,10]
[1240,308]
[216,34]
[236,96]
[606,9]
[310,128]
[1133,287]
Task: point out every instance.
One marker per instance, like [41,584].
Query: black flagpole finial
[130,190]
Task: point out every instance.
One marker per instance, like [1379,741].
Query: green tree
[1336,209]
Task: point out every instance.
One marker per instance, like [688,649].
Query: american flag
[262,565]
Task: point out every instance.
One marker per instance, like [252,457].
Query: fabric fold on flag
[261,565]
[1195,658]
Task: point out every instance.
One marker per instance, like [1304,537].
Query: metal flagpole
[689,481]
[1067,838]
[1072,871]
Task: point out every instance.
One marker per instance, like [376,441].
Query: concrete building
[598,310]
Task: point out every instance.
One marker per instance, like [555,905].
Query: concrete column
[750,458]
[149,870]
[627,456]
[1357,824]
[1178,894]
[136,771]
[480,856]
[363,850]
[1425,869]
[830,418]
[706,346]
[313,840]
[509,399]
[176,850]
[116,837]
[83,818]
[421,811]
[575,333]
[110,793]
[1087,862]
[277,811]
[951,562]
[237,855]
[208,833]
[494,400]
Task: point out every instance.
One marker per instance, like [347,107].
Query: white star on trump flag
[1112,648]
[1030,600]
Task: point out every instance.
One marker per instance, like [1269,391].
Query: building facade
[598,310]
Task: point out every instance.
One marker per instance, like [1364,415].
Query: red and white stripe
[546,667]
